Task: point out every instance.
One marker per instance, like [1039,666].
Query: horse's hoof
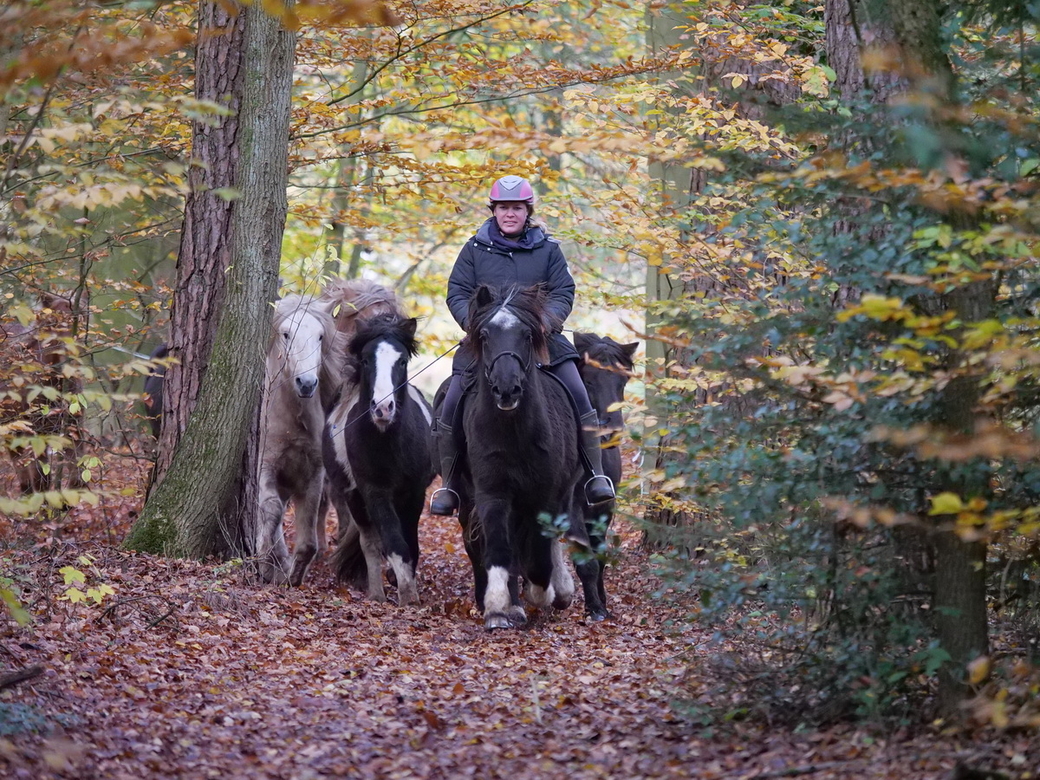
[517,615]
[562,601]
[597,615]
[492,622]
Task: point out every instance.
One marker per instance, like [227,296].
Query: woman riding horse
[510,250]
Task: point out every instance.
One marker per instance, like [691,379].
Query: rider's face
[510,216]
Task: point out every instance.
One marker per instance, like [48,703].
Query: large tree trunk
[910,30]
[227,277]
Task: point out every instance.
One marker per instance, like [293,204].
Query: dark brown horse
[605,368]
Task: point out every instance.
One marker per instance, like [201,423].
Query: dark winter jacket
[481,261]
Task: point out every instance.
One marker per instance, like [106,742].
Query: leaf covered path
[188,672]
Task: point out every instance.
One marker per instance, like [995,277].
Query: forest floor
[188,670]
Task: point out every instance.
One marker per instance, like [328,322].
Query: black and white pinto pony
[605,368]
[378,455]
[300,377]
[522,456]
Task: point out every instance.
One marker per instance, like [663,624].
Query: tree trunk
[960,585]
[227,278]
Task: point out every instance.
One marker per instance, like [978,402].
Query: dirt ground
[188,670]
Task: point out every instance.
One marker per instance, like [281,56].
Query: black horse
[377,452]
[605,368]
[153,388]
[522,464]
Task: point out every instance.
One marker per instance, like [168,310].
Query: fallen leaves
[190,671]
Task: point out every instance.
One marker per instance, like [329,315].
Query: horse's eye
[285,335]
[320,337]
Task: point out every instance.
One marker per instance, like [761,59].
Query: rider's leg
[445,501]
[598,487]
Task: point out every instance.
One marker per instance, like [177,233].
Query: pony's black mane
[527,303]
[400,329]
[603,349]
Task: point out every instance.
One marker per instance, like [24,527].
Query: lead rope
[334,428]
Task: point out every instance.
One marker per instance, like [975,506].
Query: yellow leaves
[946,504]
[876,307]
[978,670]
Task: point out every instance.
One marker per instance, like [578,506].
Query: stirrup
[457,500]
[589,499]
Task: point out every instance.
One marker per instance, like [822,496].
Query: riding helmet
[512,188]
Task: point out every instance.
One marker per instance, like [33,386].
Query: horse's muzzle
[305,386]
[383,413]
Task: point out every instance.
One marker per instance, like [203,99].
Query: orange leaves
[331,13]
[64,38]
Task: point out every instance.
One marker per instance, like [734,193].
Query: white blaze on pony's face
[301,334]
[388,366]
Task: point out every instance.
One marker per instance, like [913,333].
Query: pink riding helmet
[512,188]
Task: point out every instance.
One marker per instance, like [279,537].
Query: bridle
[490,366]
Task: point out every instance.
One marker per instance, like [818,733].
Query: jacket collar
[532,238]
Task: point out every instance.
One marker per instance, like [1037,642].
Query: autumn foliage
[841,387]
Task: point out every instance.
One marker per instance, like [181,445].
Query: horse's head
[605,367]
[509,331]
[302,334]
[382,347]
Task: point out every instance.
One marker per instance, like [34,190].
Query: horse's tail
[348,560]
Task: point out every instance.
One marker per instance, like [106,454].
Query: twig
[12,679]
[111,609]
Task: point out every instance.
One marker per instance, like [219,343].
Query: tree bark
[227,278]
[960,586]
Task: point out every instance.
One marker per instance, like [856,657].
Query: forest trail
[189,672]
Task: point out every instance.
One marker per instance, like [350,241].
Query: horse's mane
[603,349]
[359,299]
[401,329]
[527,303]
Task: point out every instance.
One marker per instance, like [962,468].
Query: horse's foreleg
[371,546]
[306,546]
[383,514]
[539,572]
[562,581]
[271,553]
[590,567]
[499,609]
[323,512]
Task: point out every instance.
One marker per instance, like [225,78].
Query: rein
[405,383]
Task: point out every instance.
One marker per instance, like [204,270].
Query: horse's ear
[483,296]
[582,342]
[409,326]
[630,349]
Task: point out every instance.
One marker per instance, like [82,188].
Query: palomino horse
[605,368]
[377,449]
[302,367]
[38,400]
[522,456]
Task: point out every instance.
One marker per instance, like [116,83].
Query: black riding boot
[445,501]
[598,487]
